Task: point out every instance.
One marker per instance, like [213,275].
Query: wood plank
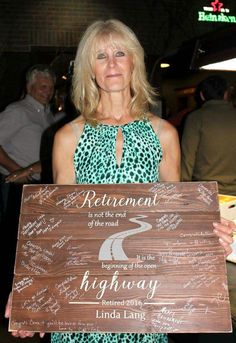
[76,256]
[169,310]
[48,226]
[145,198]
[120,258]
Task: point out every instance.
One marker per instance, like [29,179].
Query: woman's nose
[111,61]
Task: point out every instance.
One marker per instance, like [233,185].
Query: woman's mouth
[113,75]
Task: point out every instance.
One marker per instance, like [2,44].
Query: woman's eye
[120,53]
[101,56]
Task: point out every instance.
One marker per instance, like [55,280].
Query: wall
[33,31]
[158,24]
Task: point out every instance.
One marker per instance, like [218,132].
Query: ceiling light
[229,65]
[164,65]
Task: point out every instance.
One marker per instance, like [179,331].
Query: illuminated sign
[216,13]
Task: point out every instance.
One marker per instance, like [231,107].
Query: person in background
[116,139]
[22,124]
[69,113]
[232,95]
[208,142]
[178,120]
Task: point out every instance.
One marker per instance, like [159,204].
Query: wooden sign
[120,258]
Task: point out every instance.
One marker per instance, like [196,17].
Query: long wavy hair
[85,91]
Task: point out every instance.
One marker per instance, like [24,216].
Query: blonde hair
[85,92]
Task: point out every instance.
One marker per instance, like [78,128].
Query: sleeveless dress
[95,163]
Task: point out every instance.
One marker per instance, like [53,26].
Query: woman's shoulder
[160,125]
[72,130]
[167,134]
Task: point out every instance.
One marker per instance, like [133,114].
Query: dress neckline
[133,122]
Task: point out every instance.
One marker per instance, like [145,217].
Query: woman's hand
[18,333]
[224,230]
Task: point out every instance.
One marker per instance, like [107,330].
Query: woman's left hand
[224,230]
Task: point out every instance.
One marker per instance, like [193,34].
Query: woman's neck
[114,108]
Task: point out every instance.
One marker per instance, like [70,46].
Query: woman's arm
[170,164]
[62,157]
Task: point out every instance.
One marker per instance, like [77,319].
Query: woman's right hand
[18,333]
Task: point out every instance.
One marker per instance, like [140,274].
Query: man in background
[22,124]
[208,141]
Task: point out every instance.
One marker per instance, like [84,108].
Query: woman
[116,139]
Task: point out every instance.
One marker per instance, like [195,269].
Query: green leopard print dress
[95,163]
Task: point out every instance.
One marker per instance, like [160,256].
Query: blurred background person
[68,113]
[178,120]
[22,124]
[232,95]
[208,142]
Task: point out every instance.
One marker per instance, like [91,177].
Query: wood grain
[120,258]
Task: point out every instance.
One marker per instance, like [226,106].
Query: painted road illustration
[112,248]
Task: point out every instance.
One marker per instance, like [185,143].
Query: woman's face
[113,67]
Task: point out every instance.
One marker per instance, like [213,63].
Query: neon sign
[216,13]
